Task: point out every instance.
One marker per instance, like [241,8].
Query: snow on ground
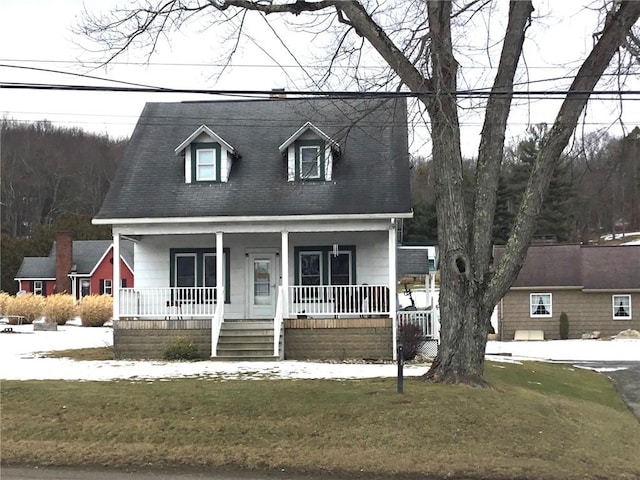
[21,358]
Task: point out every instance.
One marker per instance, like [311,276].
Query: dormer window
[207,157]
[310,161]
[205,162]
[310,154]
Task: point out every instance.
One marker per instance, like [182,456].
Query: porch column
[219,262]
[284,255]
[115,282]
[393,286]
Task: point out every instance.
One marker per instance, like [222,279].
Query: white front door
[263,285]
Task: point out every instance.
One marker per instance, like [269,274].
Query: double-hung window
[323,266]
[205,162]
[621,307]
[540,305]
[196,267]
[38,287]
[107,290]
[310,160]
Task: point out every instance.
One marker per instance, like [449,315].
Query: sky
[22,358]
[37,34]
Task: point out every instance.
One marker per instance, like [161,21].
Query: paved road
[626,379]
[94,473]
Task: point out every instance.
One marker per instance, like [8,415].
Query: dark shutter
[101,287]
[124,283]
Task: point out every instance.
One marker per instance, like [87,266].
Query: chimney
[64,261]
[278,93]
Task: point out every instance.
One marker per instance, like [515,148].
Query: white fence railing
[170,302]
[343,300]
[423,319]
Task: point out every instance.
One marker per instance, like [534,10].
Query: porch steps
[248,340]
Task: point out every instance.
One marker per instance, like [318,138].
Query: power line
[532,94]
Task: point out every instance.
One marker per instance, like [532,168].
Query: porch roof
[371,175]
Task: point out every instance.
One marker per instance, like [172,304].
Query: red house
[79,267]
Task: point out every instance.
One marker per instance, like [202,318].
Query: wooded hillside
[53,179]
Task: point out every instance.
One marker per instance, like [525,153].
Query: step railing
[216,324]
[277,322]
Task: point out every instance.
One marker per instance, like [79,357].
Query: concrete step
[245,358]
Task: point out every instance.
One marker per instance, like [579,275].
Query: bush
[182,348]
[564,326]
[29,306]
[4,299]
[59,308]
[94,310]
[410,337]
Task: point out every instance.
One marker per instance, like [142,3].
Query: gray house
[262,229]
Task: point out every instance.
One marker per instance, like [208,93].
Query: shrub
[59,308]
[4,299]
[182,348]
[29,306]
[564,326]
[94,310]
[410,337]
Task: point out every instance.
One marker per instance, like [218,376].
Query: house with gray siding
[262,228]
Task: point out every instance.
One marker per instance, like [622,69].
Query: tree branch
[554,143]
[493,136]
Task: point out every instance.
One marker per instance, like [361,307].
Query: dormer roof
[206,130]
[303,129]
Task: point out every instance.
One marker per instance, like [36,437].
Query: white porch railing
[343,300]
[216,323]
[424,319]
[170,302]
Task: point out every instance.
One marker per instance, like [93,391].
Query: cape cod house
[78,267]
[262,228]
[598,287]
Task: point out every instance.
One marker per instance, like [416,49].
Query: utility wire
[317,93]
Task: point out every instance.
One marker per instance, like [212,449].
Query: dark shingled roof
[370,176]
[86,254]
[586,266]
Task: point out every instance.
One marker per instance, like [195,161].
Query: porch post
[392,285]
[115,282]
[219,262]
[284,256]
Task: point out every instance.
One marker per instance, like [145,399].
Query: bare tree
[422,60]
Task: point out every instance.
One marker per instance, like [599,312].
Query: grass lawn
[539,421]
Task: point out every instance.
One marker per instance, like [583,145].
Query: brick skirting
[338,339]
[150,338]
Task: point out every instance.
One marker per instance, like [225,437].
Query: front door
[263,284]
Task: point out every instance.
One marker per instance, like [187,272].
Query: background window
[37,287]
[106,289]
[540,305]
[621,307]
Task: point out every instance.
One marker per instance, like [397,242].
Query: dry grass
[539,421]
[96,353]
[59,308]
[30,306]
[95,310]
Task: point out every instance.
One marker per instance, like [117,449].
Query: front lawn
[539,421]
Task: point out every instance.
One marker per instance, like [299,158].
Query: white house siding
[153,261]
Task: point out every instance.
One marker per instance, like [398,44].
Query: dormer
[207,157]
[310,154]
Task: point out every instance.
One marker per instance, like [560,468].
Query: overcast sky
[36,34]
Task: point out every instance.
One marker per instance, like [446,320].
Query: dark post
[400,369]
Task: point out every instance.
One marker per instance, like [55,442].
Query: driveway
[625,376]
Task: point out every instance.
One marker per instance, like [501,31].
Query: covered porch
[266,272]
